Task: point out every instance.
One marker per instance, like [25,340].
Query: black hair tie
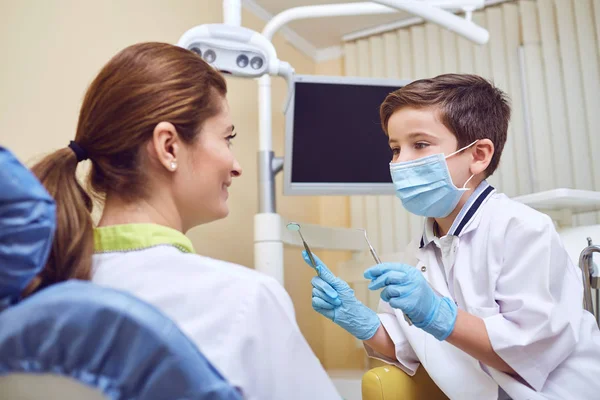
[80,153]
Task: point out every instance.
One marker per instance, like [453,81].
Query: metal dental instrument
[378,261]
[371,249]
[295,227]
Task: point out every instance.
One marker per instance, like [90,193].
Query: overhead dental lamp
[234,50]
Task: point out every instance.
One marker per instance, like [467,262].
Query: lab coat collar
[462,223]
[428,233]
[131,237]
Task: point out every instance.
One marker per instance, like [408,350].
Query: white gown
[241,320]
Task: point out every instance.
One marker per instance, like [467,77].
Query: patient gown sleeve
[539,294]
[27,224]
[406,359]
[276,360]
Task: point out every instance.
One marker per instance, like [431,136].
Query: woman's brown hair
[141,86]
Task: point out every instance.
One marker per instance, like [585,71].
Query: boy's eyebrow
[420,134]
[413,136]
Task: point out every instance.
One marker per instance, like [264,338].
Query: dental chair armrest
[389,382]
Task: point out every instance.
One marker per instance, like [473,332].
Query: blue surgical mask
[425,186]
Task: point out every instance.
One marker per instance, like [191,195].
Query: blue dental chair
[77,340]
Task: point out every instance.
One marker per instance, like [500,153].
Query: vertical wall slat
[465,56]
[510,15]
[392,51]
[418,57]
[556,101]
[385,205]
[364,56]
[449,51]
[536,88]
[432,49]
[377,57]
[350,57]
[405,51]
[596,6]
[590,74]
[500,76]
[481,66]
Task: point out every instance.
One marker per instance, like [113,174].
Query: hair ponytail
[73,244]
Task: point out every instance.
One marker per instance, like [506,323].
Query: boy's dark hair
[469,106]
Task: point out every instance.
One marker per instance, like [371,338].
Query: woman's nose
[237,169]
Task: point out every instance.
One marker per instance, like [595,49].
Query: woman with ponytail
[155,126]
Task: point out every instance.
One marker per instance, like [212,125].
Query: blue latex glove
[333,298]
[405,288]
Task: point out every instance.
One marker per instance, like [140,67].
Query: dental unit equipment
[590,280]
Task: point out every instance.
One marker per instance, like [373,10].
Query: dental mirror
[295,227]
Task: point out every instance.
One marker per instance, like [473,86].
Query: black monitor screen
[337,134]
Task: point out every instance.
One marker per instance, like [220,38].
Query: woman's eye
[230,138]
[396,151]
[421,145]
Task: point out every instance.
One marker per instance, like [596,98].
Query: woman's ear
[483,152]
[165,145]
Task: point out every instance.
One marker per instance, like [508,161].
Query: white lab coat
[241,320]
[503,262]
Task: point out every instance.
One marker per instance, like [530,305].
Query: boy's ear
[482,153]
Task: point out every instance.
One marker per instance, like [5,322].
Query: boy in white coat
[494,300]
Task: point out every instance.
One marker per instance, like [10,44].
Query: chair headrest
[27,224]
[109,340]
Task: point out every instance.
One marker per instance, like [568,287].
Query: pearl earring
[173,165]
